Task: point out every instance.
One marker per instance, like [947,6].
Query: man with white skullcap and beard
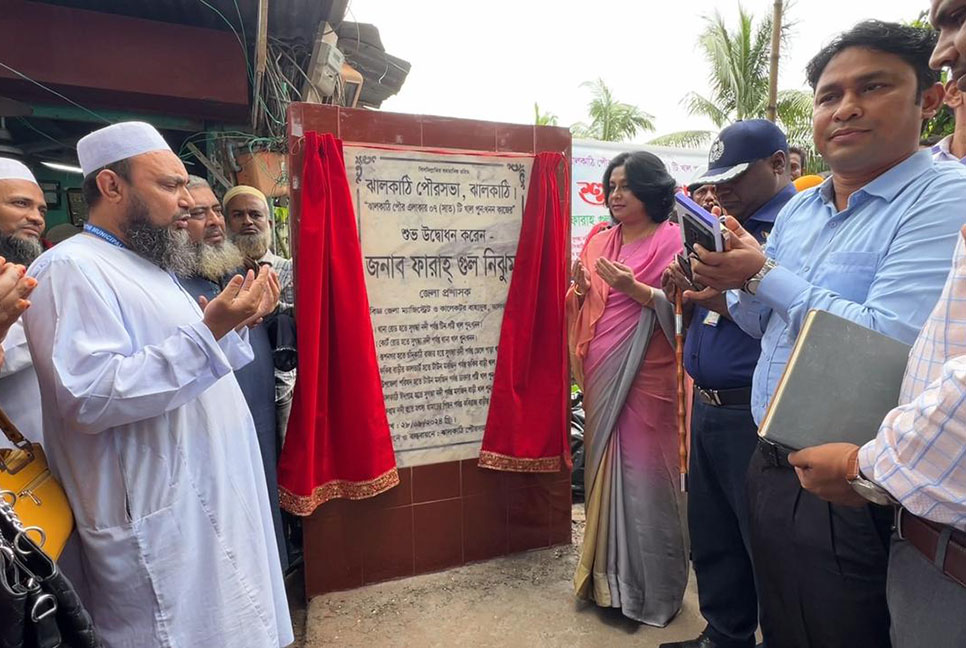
[248,217]
[144,422]
[22,213]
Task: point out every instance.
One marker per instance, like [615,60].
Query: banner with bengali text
[590,160]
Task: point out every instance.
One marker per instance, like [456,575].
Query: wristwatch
[752,283]
[869,490]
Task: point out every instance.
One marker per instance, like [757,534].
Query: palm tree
[738,83]
[611,120]
[543,119]
[739,69]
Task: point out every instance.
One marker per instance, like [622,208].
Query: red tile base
[413,528]
[473,514]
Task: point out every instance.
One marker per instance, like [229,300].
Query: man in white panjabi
[144,422]
[22,219]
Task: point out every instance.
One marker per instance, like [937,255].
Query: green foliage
[944,123]
[611,120]
[738,63]
[543,119]
[921,21]
[738,69]
[685,139]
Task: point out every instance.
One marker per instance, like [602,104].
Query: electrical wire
[55,93]
[302,72]
[241,43]
[42,133]
[241,24]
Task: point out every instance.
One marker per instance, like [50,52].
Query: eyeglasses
[201,213]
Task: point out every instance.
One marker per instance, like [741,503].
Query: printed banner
[590,160]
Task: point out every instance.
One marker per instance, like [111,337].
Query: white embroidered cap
[118,142]
[15,170]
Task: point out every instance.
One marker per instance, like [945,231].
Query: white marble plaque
[439,234]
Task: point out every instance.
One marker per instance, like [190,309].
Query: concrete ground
[524,600]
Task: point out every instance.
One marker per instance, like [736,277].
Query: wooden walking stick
[682,392]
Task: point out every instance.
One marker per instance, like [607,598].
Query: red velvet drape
[527,428]
[338,442]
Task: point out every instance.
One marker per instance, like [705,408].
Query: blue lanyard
[104,235]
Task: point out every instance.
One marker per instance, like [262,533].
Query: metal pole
[776,39]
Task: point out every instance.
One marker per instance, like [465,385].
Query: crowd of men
[152,343]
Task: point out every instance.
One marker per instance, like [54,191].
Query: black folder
[841,380]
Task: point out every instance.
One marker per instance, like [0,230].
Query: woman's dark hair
[648,180]
[914,45]
[92,193]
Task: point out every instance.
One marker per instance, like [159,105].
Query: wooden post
[776,40]
[261,57]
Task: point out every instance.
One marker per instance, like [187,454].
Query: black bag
[38,605]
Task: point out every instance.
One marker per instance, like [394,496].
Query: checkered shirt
[283,268]
[919,454]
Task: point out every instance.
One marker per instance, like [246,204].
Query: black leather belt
[774,455]
[724,397]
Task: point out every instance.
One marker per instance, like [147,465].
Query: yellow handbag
[38,499]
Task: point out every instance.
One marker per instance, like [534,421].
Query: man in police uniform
[748,166]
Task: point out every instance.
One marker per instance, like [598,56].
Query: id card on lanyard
[103,234]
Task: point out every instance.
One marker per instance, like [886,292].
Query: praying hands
[245,301]
[621,278]
[15,288]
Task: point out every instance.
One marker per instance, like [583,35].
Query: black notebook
[841,380]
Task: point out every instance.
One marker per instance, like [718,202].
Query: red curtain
[338,442]
[527,428]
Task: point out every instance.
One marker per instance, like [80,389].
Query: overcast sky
[491,60]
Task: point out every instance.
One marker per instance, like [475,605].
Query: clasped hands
[617,275]
[15,288]
[245,301]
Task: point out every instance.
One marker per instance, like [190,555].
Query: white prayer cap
[118,142]
[14,170]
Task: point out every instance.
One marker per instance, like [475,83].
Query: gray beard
[217,261]
[166,247]
[20,250]
[253,246]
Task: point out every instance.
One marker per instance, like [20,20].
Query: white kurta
[146,427]
[19,392]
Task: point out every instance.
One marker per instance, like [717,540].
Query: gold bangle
[577,292]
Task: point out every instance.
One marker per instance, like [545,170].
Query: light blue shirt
[880,262]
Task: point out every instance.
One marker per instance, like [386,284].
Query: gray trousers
[928,609]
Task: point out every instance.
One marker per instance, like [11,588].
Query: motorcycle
[577,422]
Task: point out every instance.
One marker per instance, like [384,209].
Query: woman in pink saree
[621,342]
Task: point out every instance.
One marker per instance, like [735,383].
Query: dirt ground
[523,600]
